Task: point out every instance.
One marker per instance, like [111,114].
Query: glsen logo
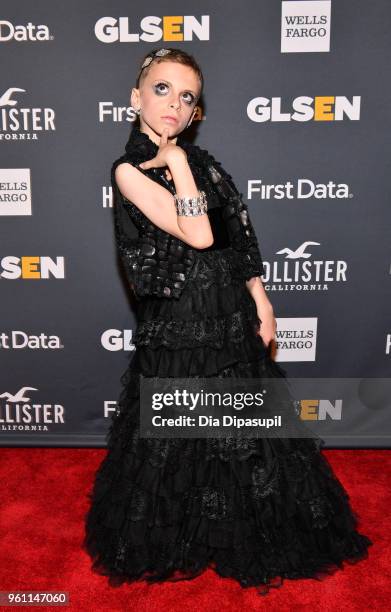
[117,340]
[320,410]
[17,413]
[305,108]
[301,272]
[30,121]
[296,338]
[20,340]
[301,190]
[169,28]
[15,191]
[305,26]
[23,33]
[31,267]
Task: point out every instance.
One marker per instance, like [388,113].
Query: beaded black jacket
[158,263]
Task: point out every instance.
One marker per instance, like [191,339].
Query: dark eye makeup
[159,92]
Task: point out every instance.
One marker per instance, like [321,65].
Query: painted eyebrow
[190,90]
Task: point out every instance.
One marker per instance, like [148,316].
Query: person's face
[169,89]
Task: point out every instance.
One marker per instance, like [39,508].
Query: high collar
[140,148]
[146,145]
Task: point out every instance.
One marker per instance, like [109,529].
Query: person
[257,510]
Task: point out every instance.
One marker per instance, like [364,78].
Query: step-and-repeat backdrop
[296,107]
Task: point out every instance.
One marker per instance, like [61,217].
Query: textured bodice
[158,263]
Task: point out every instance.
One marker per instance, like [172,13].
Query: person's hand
[267,326]
[165,155]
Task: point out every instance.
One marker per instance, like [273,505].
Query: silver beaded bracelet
[191,206]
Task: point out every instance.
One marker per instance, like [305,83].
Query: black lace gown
[256,510]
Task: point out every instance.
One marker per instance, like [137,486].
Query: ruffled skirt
[254,509]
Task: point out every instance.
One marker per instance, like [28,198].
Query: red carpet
[44,500]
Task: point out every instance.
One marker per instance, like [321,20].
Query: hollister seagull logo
[19,396]
[5,99]
[301,272]
[18,413]
[299,252]
[23,123]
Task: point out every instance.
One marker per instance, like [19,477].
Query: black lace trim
[213,332]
